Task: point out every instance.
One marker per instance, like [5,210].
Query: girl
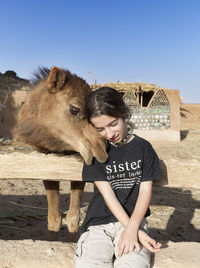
[116,218]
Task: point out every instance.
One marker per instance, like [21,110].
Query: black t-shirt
[127,166]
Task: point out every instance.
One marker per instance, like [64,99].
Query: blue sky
[153,41]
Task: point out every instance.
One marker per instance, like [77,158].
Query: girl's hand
[128,242]
[148,242]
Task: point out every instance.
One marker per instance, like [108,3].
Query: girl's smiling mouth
[115,138]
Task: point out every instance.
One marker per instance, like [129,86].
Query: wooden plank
[40,166]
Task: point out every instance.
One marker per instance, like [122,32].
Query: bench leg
[54,215]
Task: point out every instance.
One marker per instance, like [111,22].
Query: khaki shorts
[97,247]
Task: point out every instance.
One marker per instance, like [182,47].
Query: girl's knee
[133,259]
[94,249]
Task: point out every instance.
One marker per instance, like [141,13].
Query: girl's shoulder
[140,141]
[139,144]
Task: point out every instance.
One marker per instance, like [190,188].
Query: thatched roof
[123,87]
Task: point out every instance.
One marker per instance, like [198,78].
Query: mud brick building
[155,111]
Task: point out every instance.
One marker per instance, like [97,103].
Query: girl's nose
[109,133]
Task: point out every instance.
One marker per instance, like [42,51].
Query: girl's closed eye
[114,123]
[99,129]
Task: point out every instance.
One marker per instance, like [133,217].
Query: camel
[54,119]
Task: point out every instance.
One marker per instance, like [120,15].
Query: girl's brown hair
[106,101]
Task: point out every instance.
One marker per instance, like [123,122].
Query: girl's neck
[127,138]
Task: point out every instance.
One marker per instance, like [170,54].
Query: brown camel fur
[53,119]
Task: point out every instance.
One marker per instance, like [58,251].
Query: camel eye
[74,110]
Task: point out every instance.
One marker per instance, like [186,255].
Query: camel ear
[56,79]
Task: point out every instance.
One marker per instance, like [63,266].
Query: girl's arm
[129,237]
[142,204]
[112,202]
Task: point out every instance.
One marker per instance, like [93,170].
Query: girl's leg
[95,248]
[132,259]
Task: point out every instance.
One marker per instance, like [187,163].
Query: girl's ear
[130,124]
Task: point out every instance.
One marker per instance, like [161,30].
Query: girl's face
[111,128]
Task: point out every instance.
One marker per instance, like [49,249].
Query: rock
[10,73]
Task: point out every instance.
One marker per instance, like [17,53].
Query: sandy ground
[175,211]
